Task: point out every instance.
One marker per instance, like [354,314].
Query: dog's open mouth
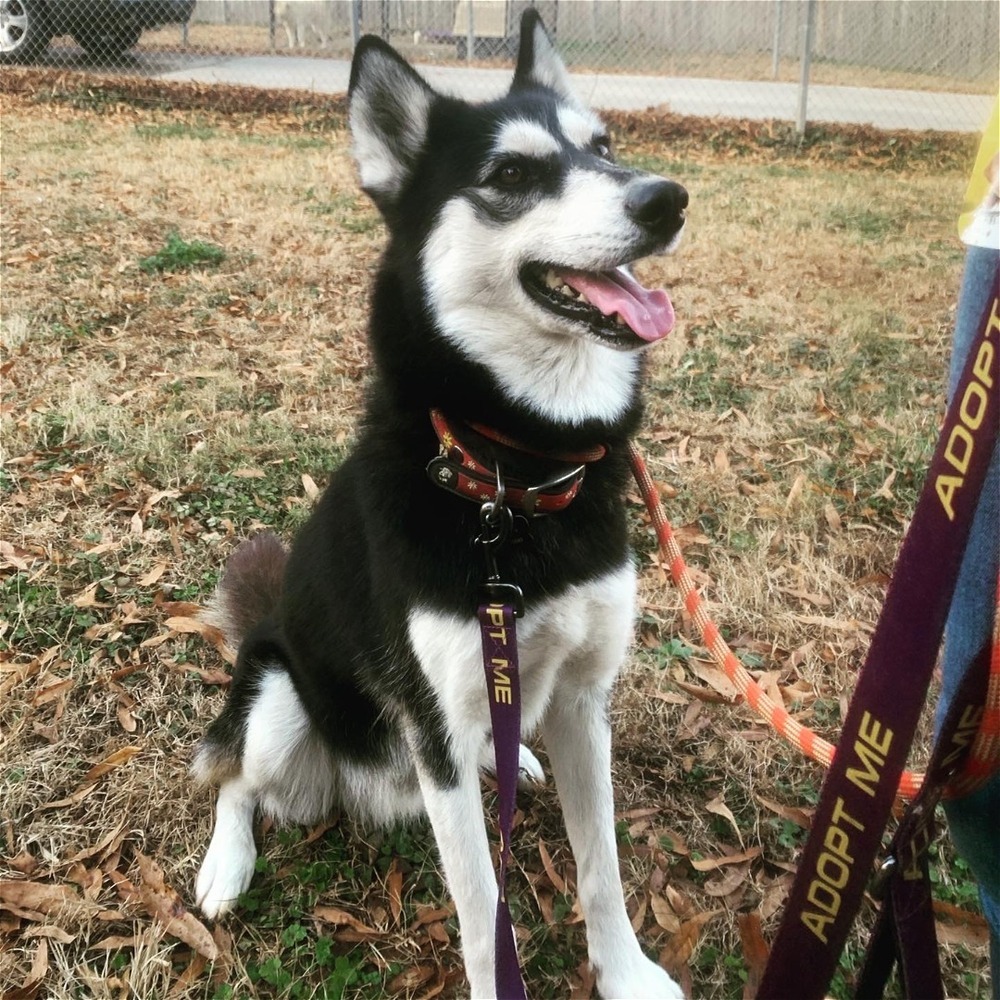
[612,303]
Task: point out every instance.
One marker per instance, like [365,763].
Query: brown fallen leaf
[25,862]
[410,978]
[219,677]
[394,887]
[775,895]
[87,598]
[32,983]
[50,931]
[704,693]
[715,679]
[710,864]
[681,904]
[319,830]
[664,914]
[427,914]
[755,951]
[112,761]
[37,900]
[728,880]
[71,800]
[639,917]
[677,844]
[165,905]
[719,808]
[193,626]
[148,579]
[191,974]
[309,486]
[341,918]
[441,980]
[957,926]
[558,882]
[114,942]
[794,814]
[59,689]
[584,982]
[681,945]
[438,932]
[971,937]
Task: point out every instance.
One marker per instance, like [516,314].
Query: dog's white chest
[583,633]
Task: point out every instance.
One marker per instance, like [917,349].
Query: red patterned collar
[457,470]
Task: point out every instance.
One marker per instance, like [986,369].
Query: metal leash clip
[879,885]
[497,523]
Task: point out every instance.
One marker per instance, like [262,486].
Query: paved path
[890,109]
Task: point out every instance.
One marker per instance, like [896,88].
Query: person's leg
[974,821]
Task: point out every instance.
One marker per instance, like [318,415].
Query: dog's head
[521,225]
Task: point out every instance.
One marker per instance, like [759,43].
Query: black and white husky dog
[505,302]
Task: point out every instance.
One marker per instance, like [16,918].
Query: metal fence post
[470,36]
[779,10]
[807,44]
[355,23]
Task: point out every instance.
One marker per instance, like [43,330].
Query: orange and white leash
[984,754]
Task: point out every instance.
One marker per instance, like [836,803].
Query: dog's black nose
[656,204]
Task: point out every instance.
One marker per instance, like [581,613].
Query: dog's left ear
[389,108]
[538,63]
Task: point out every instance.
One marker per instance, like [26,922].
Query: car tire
[106,46]
[24,32]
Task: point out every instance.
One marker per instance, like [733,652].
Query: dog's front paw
[224,874]
[639,979]
[530,773]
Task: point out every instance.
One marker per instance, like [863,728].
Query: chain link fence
[892,63]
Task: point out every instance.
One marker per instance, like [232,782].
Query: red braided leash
[984,754]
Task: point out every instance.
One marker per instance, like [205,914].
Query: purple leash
[496,622]
[501,604]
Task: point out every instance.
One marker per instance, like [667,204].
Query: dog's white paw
[529,767]
[229,861]
[225,874]
[639,979]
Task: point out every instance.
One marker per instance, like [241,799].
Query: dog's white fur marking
[456,814]
[475,293]
[589,616]
[526,138]
[579,125]
[577,736]
[229,861]
[288,772]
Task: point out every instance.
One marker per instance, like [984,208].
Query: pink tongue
[648,314]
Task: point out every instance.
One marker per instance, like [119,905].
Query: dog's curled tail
[250,588]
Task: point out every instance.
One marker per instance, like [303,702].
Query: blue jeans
[974,821]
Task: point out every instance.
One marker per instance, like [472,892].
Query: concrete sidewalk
[888,109]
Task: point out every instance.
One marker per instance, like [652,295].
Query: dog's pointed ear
[389,109]
[538,63]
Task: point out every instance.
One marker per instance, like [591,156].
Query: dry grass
[151,418]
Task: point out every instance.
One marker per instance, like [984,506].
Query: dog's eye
[510,175]
[602,147]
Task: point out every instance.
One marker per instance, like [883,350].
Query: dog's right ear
[389,107]
[538,63]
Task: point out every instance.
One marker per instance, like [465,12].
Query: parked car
[105,28]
